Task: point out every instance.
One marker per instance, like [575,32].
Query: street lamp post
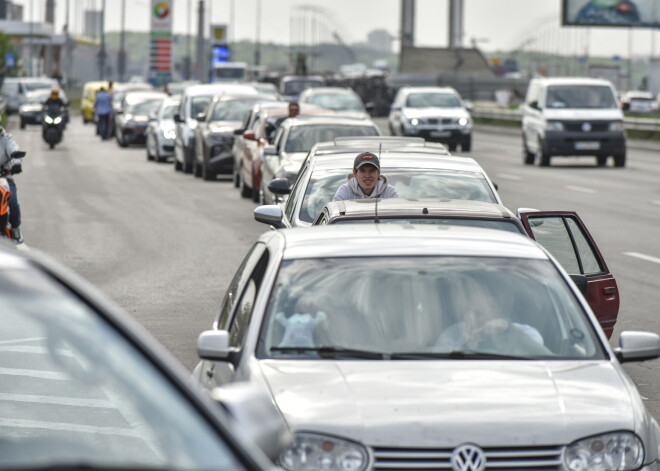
[257,43]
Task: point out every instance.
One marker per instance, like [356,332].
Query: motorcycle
[13,167]
[53,126]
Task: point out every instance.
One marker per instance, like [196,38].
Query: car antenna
[376,220]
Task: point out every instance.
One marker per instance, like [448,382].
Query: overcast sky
[493,24]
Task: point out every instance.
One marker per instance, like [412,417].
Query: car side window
[296,193]
[588,257]
[241,318]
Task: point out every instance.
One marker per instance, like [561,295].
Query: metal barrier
[504,114]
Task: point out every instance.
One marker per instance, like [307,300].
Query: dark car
[132,121]
[31,111]
[84,386]
[214,135]
[291,86]
[582,259]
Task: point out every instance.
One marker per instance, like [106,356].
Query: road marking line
[61,401]
[641,256]
[656,202]
[18,423]
[581,189]
[508,176]
[34,373]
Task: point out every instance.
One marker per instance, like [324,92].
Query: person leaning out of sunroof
[365,181]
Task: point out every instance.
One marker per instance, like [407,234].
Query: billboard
[630,13]
[160,57]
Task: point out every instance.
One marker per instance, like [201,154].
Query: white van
[572,116]
[16,89]
[194,100]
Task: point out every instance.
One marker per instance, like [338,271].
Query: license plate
[587,145]
[440,134]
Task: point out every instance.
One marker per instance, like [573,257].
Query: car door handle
[609,290]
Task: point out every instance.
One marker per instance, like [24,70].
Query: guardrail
[504,114]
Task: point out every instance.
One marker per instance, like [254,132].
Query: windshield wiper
[456,355]
[329,351]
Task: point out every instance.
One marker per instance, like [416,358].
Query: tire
[177,165]
[245,191]
[451,146]
[52,146]
[235,178]
[22,124]
[197,169]
[601,160]
[544,156]
[255,193]
[466,144]
[120,141]
[207,175]
[185,166]
[620,159]
[528,157]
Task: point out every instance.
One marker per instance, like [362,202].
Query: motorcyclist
[54,105]
[9,165]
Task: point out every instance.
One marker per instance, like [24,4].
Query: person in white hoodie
[365,181]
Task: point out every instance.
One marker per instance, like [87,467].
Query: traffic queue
[396,314]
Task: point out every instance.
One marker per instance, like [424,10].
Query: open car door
[565,236]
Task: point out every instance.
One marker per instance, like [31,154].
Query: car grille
[596,126]
[500,459]
[441,121]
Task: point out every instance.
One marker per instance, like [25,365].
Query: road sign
[10,59]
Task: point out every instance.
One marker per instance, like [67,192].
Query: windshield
[488,224]
[230,73]
[337,102]
[75,393]
[425,306]
[233,110]
[408,183]
[38,85]
[295,87]
[303,138]
[580,96]
[199,104]
[433,100]
[144,107]
[168,112]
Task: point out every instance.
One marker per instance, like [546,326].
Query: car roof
[242,96]
[319,90]
[355,240]
[427,207]
[399,158]
[377,144]
[320,119]
[133,96]
[429,90]
[573,81]
[219,88]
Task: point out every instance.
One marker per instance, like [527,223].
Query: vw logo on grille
[468,458]
[586,127]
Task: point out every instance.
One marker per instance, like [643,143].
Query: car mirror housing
[200,117]
[280,186]
[253,410]
[214,345]
[395,108]
[270,214]
[270,150]
[637,346]
[177,118]
[238,132]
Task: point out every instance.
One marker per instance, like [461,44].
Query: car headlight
[169,134]
[310,451]
[554,126]
[616,126]
[414,121]
[616,451]
[463,121]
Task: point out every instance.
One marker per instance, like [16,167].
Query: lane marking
[580,189]
[508,176]
[34,374]
[60,401]
[656,202]
[641,256]
[19,423]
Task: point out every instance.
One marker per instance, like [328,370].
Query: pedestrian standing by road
[365,181]
[8,146]
[103,108]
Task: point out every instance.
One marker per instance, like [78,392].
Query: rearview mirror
[200,116]
[637,346]
[270,214]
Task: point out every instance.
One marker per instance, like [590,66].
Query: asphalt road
[164,245]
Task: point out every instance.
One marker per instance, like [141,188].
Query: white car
[434,113]
[161,131]
[429,347]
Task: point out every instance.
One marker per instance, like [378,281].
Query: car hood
[435,113]
[583,114]
[224,127]
[445,403]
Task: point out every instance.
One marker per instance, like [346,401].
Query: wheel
[620,159]
[120,141]
[256,197]
[601,160]
[544,156]
[528,157]
[207,175]
[22,124]
[185,166]
[177,165]
[392,131]
[197,169]
[246,192]
[235,177]
[52,146]
[466,144]
[451,146]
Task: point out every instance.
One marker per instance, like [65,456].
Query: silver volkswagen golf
[429,347]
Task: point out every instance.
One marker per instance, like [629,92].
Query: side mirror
[253,410]
[214,345]
[581,282]
[250,135]
[177,118]
[200,116]
[270,150]
[535,105]
[369,106]
[280,186]
[637,346]
[395,108]
[238,132]
[270,214]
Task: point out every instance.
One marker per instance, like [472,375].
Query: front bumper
[454,135]
[135,134]
[580,143]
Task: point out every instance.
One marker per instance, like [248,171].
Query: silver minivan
[572,116]
[16,89]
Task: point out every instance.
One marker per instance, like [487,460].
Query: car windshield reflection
[376,308]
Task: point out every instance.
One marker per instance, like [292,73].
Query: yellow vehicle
[88,99]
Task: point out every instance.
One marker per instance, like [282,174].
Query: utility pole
[456,24]
[201,56]
[102,55]
[257,43]
[121,56]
